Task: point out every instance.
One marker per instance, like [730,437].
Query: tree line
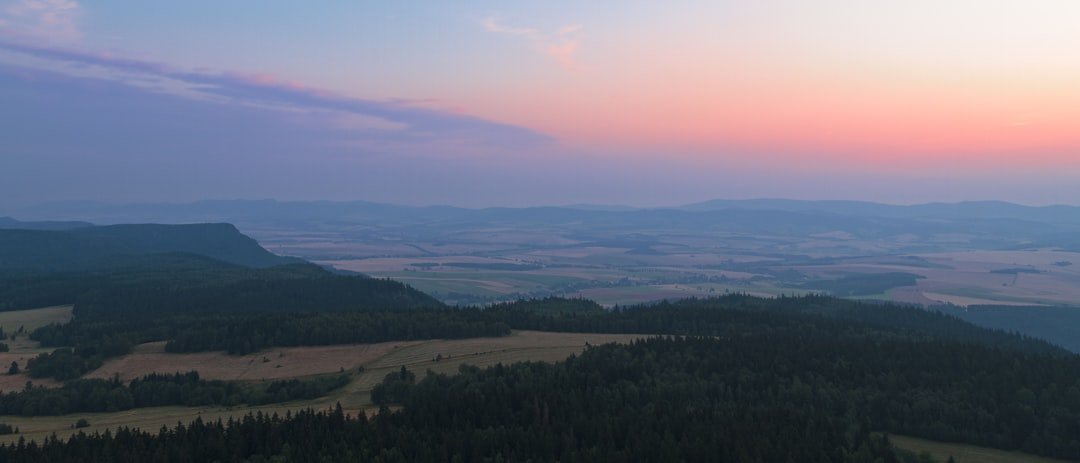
[92,338]
[771,395]
[84,344]
[155,390]
[786,380]
[734,314]
[657,400]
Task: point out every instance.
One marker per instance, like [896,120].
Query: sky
[494,103]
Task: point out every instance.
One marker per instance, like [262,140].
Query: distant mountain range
[8,223]
[959,210]
[990,223]
[214,210]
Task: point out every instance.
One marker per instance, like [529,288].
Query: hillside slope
[8,223]
[85,248]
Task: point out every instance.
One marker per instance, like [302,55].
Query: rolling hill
[8,223]
[85,248]
[143,268]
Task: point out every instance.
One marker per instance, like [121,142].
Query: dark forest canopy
[302,288]
[784,364]
[186,283]
[95,338]
[549,306]
[731,315]
[175,269]
[772,396]
[84,248]
[742,394]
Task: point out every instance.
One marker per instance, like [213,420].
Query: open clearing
[34,318]
[22,348]
[17,382]
[418,356]
[270,364]
[963,453]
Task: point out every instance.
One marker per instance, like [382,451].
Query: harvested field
[34,318]
[277,363]
[10,383]
[520,346]
[22,348]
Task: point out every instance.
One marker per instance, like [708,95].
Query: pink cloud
[564,54]
[562,45]
[42,20]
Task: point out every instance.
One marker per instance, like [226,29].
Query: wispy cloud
[561,45]
[41,20]
[382,122]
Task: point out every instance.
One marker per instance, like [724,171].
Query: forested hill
[86,248]
[8,223]
[156,270]
[734,315]
[771,395]
[786,379]
[291,288]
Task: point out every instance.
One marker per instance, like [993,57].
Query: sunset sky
[518,103]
